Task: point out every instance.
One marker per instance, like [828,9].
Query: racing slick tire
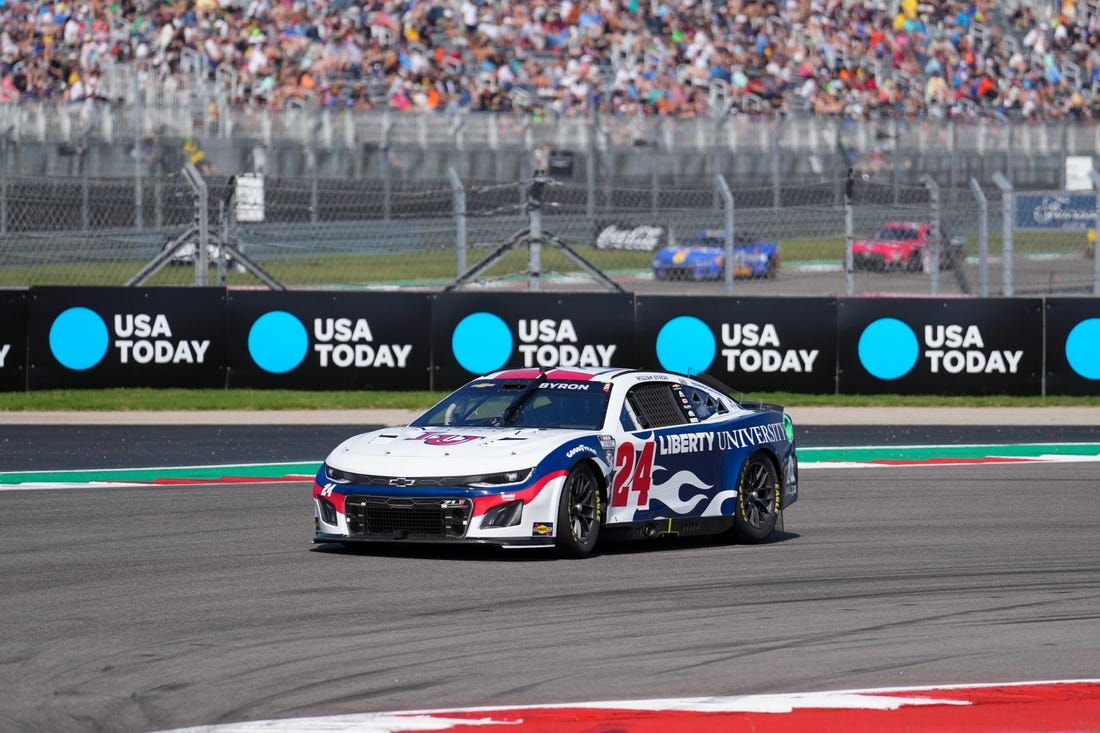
[580,513]
[757,508]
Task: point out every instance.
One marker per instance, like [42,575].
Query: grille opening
[401,517]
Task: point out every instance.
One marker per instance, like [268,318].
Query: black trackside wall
[751,344]
[940,346]
[475,333]
[56,337]
[126,337]
[1073,346]
[324,340]
[13,341]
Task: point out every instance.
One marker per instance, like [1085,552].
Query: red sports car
[900,245]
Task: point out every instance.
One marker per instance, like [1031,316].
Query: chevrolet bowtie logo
[401,482]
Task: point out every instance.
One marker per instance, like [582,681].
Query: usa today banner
[751,344]
[1073,346]
[126,337]
[13,341]
[475,333]
[933,346]
[322,340]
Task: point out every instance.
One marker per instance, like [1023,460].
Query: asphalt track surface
[147,608]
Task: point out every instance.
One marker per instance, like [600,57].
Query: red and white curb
[1069,706]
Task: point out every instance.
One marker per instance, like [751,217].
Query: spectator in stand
[949,59]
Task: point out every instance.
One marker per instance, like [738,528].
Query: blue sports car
[702,257]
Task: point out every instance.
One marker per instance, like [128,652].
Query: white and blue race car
[560,458]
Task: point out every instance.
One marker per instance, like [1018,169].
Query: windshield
[522,404]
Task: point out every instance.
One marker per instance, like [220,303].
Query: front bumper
[520,516]
[328,537]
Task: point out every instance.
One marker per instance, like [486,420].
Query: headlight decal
[337,476]
[503,478]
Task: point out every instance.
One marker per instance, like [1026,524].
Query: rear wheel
[580,512]
[757,509]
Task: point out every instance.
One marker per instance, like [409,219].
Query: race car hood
[415,452]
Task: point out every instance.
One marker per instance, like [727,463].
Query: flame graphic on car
[670,494]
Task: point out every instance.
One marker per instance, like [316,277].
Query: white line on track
[434,720]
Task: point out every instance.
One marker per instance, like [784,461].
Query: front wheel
[757,509]
[580,512]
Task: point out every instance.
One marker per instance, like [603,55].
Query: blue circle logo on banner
[78,338]
[1083,348]
[686,345]
[277,342]
[481,342]
[888,348]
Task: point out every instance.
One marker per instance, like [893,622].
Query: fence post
[534,233]
[935,245]
[314,173]
[387,165]
[202,221]
[777,128]
[983,238]
[5,165]
[1008,215]
[895,132]
[1095,178]
[85,183]
[458,131]
[654,183]
[849,234]
[590,168]
[460,217]
[723,190]
[139,162]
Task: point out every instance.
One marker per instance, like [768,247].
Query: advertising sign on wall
[13,341]
[1055,210]
[321,340]
[126,337]
[751,344]
[627,236]
[932,346]
[476,333]
[1073,346]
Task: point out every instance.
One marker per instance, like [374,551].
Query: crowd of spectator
[685,58]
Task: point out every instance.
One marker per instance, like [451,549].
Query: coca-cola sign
[630,236]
